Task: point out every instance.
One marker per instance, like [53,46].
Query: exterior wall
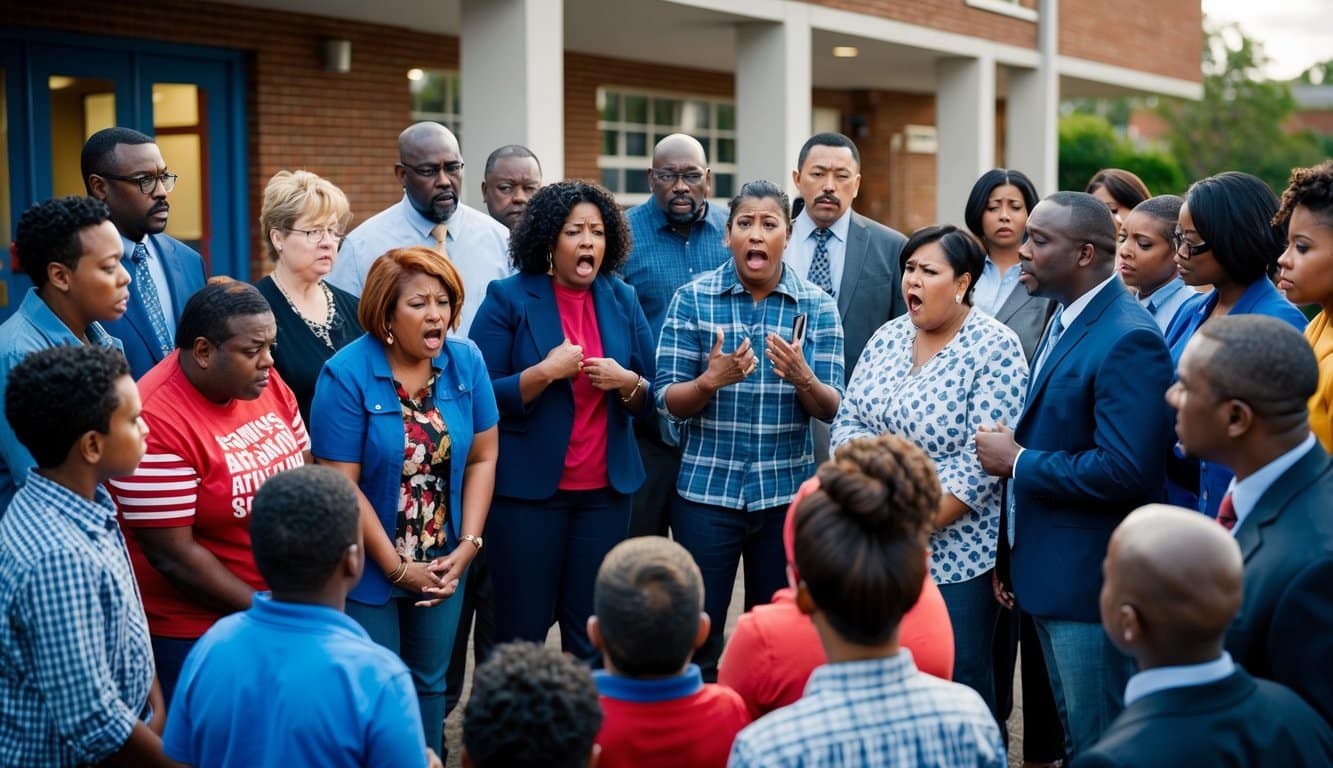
[1116,33]
[950,16]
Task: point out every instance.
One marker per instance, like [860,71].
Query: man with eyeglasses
[124,169]
[677,236]
[430,170]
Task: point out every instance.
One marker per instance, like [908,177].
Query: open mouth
[756,259]
[585,266]
[434,338]
[914,302]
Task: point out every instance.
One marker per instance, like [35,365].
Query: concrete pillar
[772,96]
[513,83]
[1032,109]
[965,121]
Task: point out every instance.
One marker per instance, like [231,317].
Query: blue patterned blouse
[978,378]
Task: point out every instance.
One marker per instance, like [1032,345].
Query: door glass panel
[180,135]
[80,106]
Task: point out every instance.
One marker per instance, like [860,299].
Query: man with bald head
[1089,448]
[1240,401]
[677,236]
[1173,584]
[430,170]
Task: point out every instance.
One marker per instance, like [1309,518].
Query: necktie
[821,274]
[439,232]
[147,290]
[1052,337]
[1226,513]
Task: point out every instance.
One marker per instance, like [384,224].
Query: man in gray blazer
[853,258]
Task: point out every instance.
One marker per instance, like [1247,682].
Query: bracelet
[638,387]
[400,571]
[472,539]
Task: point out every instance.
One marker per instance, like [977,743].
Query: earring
[958,298]
[388,337]
[550,263]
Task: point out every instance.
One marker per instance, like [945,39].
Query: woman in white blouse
[934,376]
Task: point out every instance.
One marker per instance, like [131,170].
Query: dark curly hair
[861,538]
[1311,188]
[48,232]
[287,507]
[531,706]
[56,395]
[530,247]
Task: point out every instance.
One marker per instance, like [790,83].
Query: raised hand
[727,368]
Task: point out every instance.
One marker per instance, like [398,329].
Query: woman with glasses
[304,216]
[1225,238]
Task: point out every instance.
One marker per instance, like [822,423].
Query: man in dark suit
[124,169]
[1241,396]
[1089,447]
[1173,584]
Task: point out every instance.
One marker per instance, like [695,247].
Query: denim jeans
[717,537]
[168,657]
[424,639]
[1088,677]
[973,612]
[544,559]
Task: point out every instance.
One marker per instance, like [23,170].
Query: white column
[513,83]
[965,121]
[772,96]
[1032,109]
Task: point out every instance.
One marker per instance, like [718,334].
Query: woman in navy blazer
[571,357]
[407,413]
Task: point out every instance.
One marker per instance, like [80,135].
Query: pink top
[585,459]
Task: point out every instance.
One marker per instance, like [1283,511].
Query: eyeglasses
[1192,249]
[431,171]
[693,178]
[316,236]
[147,183]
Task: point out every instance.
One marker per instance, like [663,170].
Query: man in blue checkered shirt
[749,353]
[76,665]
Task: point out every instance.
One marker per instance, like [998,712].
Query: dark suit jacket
[1236,721]
[871,292]
[1026,315]
[515,327]
[1284,630]
[185,275]
[1094,431]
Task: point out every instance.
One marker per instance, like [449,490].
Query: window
[435,96]
[631,124]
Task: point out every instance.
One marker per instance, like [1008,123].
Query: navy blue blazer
[185,275]
[1095,435]
[1235,721]
[515,327]
[1284,630]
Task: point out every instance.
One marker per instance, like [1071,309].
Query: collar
[1162,295]
[804,227]
[301,616]
[53,329]
[660,218]
[994,269]
[1071,312]
[849,676]
[1150,681]
[423,225]
[93,517]
[1246,493]
[379,358]
[631,689]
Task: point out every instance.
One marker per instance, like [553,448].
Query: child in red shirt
[648,620]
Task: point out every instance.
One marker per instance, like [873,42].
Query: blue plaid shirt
[750,447]
[75,659]
[881,712]
[661,261]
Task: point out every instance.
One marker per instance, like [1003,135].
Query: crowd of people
[262,524]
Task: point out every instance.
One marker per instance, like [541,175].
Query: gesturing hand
[727,368]
[564,361]
[997,449]
[789,362]
[606,374]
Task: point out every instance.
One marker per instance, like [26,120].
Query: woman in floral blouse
[934,376]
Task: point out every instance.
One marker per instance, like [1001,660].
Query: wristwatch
[472,539]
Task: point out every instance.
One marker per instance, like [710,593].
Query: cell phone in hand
[798,329]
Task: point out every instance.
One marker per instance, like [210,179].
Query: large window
[435,96]
[631,124]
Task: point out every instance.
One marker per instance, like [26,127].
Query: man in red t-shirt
[220,422]
[648,620]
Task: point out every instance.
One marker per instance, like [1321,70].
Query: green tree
[1239,124]
[1088,144]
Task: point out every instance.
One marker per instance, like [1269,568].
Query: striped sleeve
[297,424]
[162,492]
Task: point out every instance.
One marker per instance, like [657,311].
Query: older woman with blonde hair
[303,218]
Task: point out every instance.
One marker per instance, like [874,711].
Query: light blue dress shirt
[801,248]
[1150,681]
[1246,493]
[1164,302]
[993,287]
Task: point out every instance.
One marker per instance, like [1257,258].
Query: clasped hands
[567,361]
[439,577]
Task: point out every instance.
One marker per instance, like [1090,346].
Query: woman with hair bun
[861,552]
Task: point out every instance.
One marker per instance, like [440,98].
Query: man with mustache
[677,236]
[513,175]
[430,170]
[124,169]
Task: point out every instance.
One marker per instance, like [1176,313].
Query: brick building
[934,91]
